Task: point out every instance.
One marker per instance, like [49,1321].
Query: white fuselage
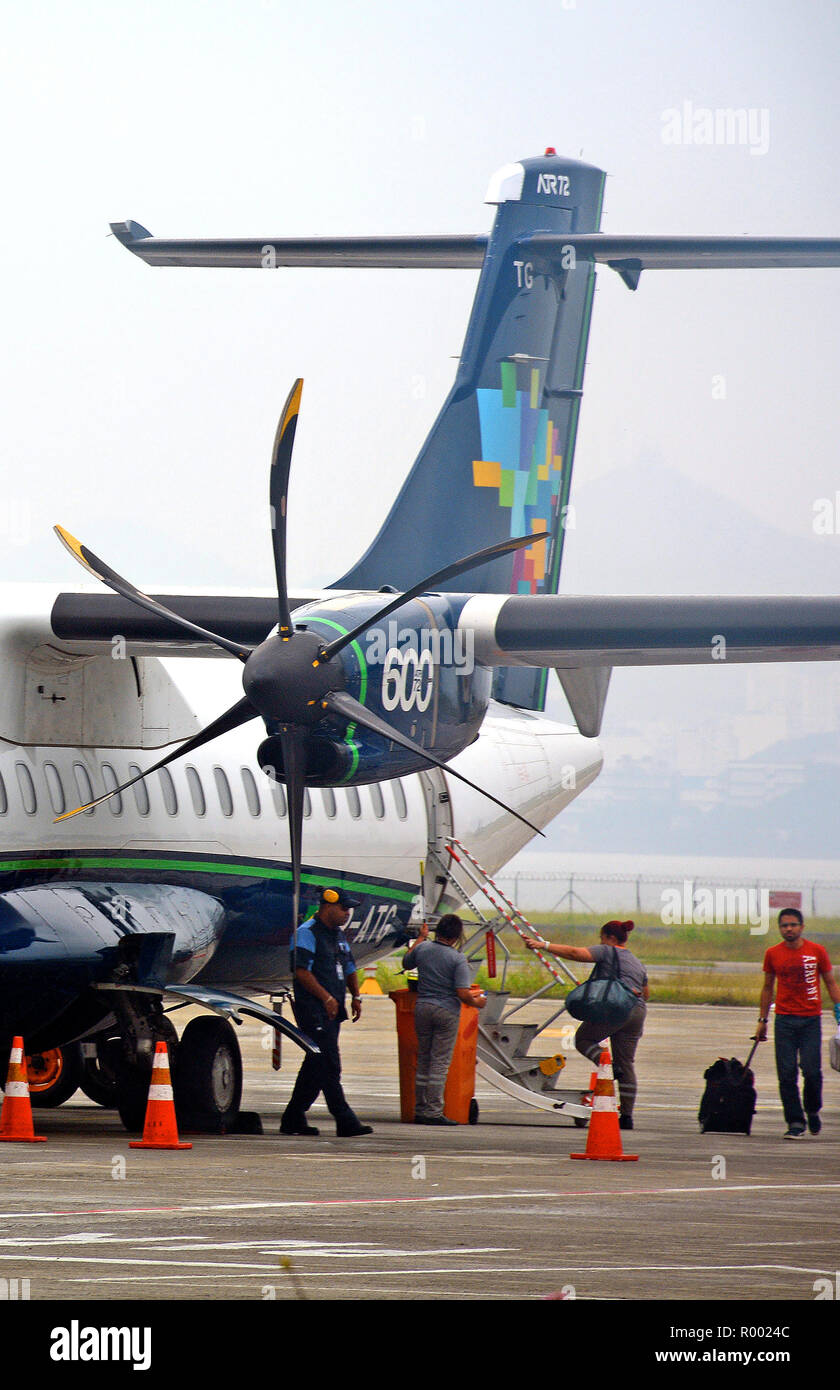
[223,804]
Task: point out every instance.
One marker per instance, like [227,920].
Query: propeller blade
[339,702]
[238,714]
[292,741]
[480,557]
[106,575]
[281,462]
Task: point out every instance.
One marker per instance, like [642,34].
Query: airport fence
[568,892]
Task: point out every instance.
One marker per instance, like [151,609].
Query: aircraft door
[439,825]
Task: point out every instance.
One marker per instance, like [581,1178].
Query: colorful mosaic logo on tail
[519,446]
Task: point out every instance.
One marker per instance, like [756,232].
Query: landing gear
[208,1077]
[133,1076]
[205,1065]
[54,1075]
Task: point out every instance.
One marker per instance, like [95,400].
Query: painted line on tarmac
[169,1263]
[621,1192]
[484,1270]
[268,1206]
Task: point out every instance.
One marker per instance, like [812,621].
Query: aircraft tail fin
[498,460]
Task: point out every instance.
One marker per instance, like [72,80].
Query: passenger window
[399,799]
[55,789]
[252,795]
[329,802]
[4,800]
[224,792]
[27,788]
[307,804]
[378,800]
[84,786]
[354,802]
[109,777]
[278,796]
[141,793]
[170,798]
[196,792]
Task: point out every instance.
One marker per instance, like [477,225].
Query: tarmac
[493,1211]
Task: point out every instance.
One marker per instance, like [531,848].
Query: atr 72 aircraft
[394,708]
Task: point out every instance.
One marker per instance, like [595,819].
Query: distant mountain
[651,530]
[782,801]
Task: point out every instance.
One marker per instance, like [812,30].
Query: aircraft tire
[99,1078]
[54,1076]
[208,1076]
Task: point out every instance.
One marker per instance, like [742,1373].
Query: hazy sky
[140,404]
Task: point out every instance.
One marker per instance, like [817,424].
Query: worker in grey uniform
[443,985]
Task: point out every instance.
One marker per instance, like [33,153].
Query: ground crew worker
[323,968]
[443,976]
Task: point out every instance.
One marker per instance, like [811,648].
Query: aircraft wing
[584,637]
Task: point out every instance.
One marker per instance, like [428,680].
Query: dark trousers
[798,1044]
[623,1044]
[322,1073]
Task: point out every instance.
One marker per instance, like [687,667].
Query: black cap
[333,897]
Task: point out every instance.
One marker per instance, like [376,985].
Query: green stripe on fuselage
[232,869]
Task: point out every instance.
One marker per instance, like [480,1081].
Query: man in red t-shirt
[794,968]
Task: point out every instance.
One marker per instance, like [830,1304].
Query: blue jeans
[798,1044]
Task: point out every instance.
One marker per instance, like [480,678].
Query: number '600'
[408,679]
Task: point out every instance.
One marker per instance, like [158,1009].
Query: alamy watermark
[435,646]
[687,124]
[703,907]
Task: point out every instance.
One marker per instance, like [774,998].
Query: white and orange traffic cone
[588,1096]
[604,1137]
[161,1128]
[16,1117]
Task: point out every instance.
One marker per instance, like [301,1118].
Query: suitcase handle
[752,1053]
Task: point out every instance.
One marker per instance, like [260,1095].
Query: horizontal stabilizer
[267,253]
[569,631]
[630,255]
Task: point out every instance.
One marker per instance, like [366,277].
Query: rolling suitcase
[728,1103]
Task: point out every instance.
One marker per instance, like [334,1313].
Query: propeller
[291,680]
[103,572]
[281,462]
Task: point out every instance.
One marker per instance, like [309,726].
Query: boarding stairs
[504,1057]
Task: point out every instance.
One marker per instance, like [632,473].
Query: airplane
[396,708]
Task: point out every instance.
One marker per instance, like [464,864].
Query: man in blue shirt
[322,969]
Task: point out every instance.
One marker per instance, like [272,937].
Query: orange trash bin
[460,1080]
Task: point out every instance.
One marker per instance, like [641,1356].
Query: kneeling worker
[323,968]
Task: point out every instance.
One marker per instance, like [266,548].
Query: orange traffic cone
[16,1117]
[588,1096]
[604,1137]
[161,1128]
